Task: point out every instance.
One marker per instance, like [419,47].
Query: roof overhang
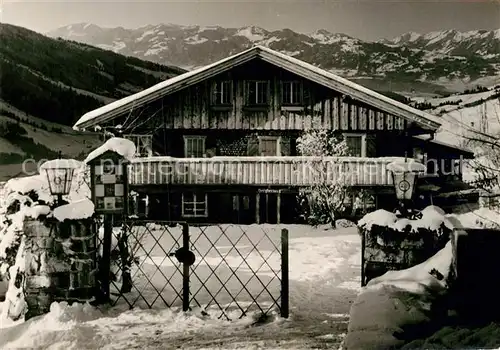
[463,151]
[293,65]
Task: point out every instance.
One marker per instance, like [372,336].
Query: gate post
[185,269]
[363,247]
[285,302]
[106,257]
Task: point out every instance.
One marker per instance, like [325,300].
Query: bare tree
[486,165]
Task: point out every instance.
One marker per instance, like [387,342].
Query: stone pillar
[398,248]
[60,263]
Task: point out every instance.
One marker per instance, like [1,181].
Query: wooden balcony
[260,171]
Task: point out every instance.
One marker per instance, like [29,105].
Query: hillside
[465,114]
[47,84]
[423,63]
[58,81]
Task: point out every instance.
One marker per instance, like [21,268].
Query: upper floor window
[194,146]
[221,93]
[356,144]
[143,144]
[257,92]
[292,93]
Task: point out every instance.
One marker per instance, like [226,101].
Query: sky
[364,19]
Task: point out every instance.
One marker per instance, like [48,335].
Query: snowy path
[324,280]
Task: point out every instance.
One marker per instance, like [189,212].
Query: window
[194,146]
[221,93]
[143,144]
[194,205]
[419,154]
[356,144]
[257,92]
[269,146]
[292,93]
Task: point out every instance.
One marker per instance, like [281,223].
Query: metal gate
[223,270]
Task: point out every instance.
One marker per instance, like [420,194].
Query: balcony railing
[261,171]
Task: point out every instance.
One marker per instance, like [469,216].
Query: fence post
[285,302]
[185,269]
[106,256]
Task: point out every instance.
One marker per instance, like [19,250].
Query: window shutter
[306,88]
[285,147]
[371,145]
[213,96]
[253,146]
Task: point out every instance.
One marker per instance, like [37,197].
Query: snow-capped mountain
[436,60]
[452,42]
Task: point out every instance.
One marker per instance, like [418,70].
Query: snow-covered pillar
[60,263]
[394,243]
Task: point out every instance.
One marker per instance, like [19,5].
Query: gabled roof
[293,65]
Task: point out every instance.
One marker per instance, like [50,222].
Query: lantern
[60,174]
[404,175]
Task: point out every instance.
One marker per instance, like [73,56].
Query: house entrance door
[242,209]
[268,207]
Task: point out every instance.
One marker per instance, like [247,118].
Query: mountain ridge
[47,84]
[447,60]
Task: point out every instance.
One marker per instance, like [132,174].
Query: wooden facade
[232,177]
[322,108]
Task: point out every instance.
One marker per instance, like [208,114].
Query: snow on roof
[279,159]
[155,88]
[123,147]
[81,209]
[279,59]
[405,165]
[353,85]
[61,164]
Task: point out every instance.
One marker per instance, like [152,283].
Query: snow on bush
[14,307]
[29,197]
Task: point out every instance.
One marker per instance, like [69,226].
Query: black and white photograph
[247,174]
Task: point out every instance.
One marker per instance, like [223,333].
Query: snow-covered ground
[324,280]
